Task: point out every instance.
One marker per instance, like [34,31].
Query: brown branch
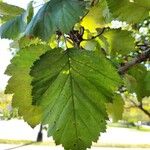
[143,109]
[140,106]
[134,103]
[140,58]
[94,37]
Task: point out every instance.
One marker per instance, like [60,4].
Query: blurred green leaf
[131,11]
[137,81]
[115,109]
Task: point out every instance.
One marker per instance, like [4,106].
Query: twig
[140,106]
[140,58]
[94,37]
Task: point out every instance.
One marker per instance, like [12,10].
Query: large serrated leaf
[15,28]
[137,81]
[72,88]
[120,41]
[20,82]
[56,15]
[131,11]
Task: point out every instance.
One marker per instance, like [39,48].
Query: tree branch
[140,106]
[143,109]
[140,58]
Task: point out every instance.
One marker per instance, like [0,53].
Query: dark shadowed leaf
[55,15]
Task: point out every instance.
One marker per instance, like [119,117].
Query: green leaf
[147,81]
[90,45]
[14,29]
[137,81]
[72,88]
[115,109]
[55,15]
[27,42]
[8,11]
[120,41]
[20,82]
[131,11]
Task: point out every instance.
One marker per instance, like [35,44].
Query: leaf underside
[72,88]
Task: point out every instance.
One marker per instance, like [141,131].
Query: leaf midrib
[73,101]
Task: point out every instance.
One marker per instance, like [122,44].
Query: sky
[5,57]
[5,54]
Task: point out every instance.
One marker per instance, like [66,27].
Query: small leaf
[137,81]
[9,11]
[20,82]
[104,43]
[72,88]
[131,11]
[115,109]
[55,15]
[90,45]
[14,28]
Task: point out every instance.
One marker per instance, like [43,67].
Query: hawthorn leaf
[15,28]
[137,81]
[119,41]
[20,82]
[55,15]
[115,109]
[131,11]
[72,87]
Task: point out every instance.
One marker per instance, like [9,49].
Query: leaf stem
[94,37]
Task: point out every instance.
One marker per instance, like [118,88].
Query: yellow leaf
[97,17]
